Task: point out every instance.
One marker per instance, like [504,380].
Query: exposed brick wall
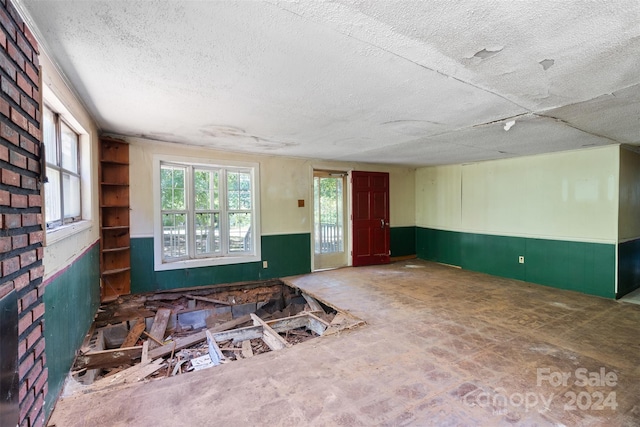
[21,232]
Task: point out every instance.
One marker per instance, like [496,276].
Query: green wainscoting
[286,254]
[579,266]
[628,267]
[403,241]
[71,300]
[438,245]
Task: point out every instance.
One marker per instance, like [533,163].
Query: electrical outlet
[265,264]
[521,259]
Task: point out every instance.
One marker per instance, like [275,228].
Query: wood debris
[173,332]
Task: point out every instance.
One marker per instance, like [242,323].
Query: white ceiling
[414,83]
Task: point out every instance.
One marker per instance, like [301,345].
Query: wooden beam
[159,326]
[196,338]
[240,334]
[134,334]
[288,323]
[247,351]
[313,304]
[214,351]
[109,358]
[206,299]
[133,374]
[316,324]
[269,336]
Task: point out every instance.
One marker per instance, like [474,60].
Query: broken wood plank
[247,351]
[269,336]
[287,323]
[134,334]
[313,304]
[159,327]
[316,324]
[214,351]
[109,358]
[144,358]
[133,374]
[206,299]
[240,334]
[196,338]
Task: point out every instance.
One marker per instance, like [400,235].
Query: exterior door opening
[329,213]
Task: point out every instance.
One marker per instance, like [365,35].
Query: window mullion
[224,220]
[191,216]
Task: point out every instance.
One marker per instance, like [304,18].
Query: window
[62,191]
[206,214]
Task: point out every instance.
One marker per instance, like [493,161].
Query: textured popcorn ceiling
[416,83]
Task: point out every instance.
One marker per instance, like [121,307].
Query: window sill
[205,262]
[61,233]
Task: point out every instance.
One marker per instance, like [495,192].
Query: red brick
[33,376]
[38,311]
[32,73]
[7,65]
[36,237]
[27,144]
[3,39]
[27,106]
[12,221]
[24,323]
[31,39]
[10,177]
[25,47]
[5,288]
[29,182]
[9,88]
[5,244]
[33,165]
[28,299]
[24,367]
[29,219]
[35,132]
[40,252]
[39,348]
[41,286]
[36,416]
[21,282]
[19,119]
[18,159]
[28,258]
[24,85]
[35,200]
[22,349]
[36,273]
[19,201]
[4,153]
[10,266]
[9,134]
[42,379]
[7,24]
[25,405]
[4,107]
[5,198]
[34,336]
[19,241]
[23,391]
[15,54]
[15,15]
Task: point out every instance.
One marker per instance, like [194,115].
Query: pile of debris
[168,333]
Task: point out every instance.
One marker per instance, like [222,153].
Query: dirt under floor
[442,346]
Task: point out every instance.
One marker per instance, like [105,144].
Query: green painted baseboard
[71,300]
[286,254]
[628,267]
[403,241]
[579,266]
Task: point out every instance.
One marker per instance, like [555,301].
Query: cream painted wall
[565,196]
[629,216]
[284,181]
[63,252]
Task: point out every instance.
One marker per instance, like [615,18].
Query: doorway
[330,219]
[371,233]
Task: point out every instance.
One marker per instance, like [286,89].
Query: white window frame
[64,231]
[224,258]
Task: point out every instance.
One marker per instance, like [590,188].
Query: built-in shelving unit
[115,249]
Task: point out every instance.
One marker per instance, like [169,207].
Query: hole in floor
[168,333]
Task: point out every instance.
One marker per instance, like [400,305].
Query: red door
[370,218]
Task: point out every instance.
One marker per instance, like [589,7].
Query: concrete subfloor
[442,347]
